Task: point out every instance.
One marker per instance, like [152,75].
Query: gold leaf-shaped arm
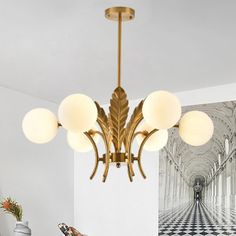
[118,115]
[134,121]
[102,120]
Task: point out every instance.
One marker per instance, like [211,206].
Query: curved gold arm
[103,124]
[107,159]
[141,149]
[129,173]
[140,132]
[96,153]
[135,119]
[107,154]
[130,145]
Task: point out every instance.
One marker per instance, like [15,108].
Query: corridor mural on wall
[197,185]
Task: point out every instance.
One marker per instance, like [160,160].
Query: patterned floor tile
[198,219]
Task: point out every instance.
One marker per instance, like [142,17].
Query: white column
[233,182]
[162,182]
[168,180]
[224,187]
[174,187]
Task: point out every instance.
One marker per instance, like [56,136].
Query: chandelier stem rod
[119,49]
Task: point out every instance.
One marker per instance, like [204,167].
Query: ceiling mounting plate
[126,13]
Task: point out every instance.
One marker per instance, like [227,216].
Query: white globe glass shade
[80,142]
[40,125]
[196,128]
[77,113]
[156,141]
[161,110]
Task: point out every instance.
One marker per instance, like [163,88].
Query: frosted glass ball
[80,142]
[196,128]
[156,141]
[40,125]
[161,110]
[77,113]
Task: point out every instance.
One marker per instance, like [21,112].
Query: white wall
[40,177]
[117,207]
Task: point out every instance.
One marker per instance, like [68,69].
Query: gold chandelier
[148,124]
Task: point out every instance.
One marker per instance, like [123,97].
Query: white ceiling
[52,48]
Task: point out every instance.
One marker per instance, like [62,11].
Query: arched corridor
[197,185]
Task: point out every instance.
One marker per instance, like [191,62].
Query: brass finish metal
[119,14]
[103,123]
[129,173]
[118,157]
[96,154]
[119,49]
[141,149]
[117,134]
[125,12]
[102,120]
[135,119]
[119,110]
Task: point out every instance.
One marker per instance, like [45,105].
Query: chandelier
[148,124]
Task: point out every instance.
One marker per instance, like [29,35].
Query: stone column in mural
[162,181]
[224,185]
[168,169]
[233,183]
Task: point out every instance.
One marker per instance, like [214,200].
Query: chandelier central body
[148,123]
[118,137]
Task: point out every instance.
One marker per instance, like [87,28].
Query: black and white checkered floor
[198,219]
